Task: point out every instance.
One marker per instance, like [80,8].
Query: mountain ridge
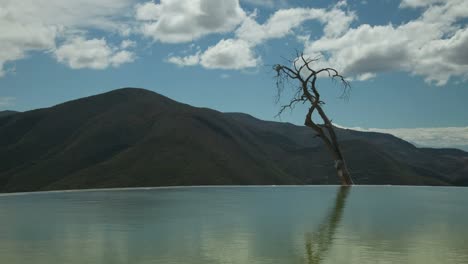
[7,113]
[132,137]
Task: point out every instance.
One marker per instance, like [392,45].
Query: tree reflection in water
[319,242]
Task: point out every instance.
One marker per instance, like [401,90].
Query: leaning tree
[302,72]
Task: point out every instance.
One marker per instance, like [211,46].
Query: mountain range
[133,137]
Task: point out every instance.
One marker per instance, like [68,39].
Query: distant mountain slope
[7,113]
[134,137]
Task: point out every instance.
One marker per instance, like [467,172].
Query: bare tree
[301,70]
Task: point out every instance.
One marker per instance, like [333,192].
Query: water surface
[237,225]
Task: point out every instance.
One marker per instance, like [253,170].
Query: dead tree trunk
[302,71]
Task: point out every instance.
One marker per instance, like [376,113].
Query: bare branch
[290,106]
[281,69]
[308,92]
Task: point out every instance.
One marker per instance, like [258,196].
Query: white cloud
[277,26]
[102,14]
[282,22]
[17,39]
[232,54]
[190,60]
[127,44]
[337,21]
[35,25]
[121,57]
[441,137]
[365,76]
[6,101]
[433,45]
[80,53]
[238,53]
[266,3]
[228,54]
[148,11]
[177,21]
[419,3]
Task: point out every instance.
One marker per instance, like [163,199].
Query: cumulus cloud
[233,54]
[441,137]
[419,3]
[265,3]
[238,53]
[433,46]
[177,21]
[80,53]
[127,44]
[278,25]
[35,25]
[284,21]
[190,60]
[17,39]
[228,54]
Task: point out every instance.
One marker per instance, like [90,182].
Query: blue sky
[407,60]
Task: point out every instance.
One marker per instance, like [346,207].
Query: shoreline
[212,186]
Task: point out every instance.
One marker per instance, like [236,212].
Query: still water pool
[237,225]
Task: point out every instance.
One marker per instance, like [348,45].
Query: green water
[237,225]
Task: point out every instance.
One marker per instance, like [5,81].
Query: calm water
[237,225]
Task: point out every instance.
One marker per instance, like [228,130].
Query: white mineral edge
[210,186]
